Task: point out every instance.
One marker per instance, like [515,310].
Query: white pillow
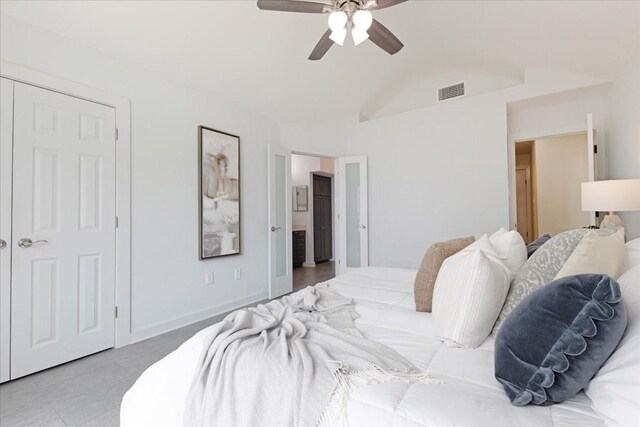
[596,253]
[631,254]
[615,390]
[510,247]
[469,292]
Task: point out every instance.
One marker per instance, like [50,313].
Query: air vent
[450,92]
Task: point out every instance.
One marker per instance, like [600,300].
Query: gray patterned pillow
[539,270]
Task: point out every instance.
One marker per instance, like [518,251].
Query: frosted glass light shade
[338,36]
[358,35]
[613,195]
[362,20]
[337,21]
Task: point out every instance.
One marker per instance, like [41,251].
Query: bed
[468,395]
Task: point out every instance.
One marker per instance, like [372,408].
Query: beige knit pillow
[428,272]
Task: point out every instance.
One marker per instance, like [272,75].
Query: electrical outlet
[208,278]
[237,274]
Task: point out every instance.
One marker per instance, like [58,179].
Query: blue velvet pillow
[555,341]
[535,245]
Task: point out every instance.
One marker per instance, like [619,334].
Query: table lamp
[613,196]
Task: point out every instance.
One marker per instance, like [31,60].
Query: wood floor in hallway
[309,276]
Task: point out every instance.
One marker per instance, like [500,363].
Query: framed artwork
[219,205]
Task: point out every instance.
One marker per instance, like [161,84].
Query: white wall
[434,174]
[561,166]
[420,92]
[442,172]
[167,278]
[623,134]
[328,139]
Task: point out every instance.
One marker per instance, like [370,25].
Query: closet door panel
[63,254]
[6,142]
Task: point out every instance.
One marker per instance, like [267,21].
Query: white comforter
[469,396]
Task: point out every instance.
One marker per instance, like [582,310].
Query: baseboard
[309,264]
[179,322]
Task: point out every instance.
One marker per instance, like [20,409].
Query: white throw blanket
[279,364]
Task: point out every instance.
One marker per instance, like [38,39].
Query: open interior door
[351,192]
[280,256]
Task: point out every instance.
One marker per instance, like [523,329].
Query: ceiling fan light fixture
[362,20]
[337,21]
[344,16]
[338,36]
[359,35]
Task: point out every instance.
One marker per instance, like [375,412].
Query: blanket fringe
[346,381]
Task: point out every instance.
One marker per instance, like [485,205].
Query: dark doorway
[322,218]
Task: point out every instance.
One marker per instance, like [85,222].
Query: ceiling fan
[344,16]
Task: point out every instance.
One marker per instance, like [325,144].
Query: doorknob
[27,243]
[3,244]
[275,228]
[363,226]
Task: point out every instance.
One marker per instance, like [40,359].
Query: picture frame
[219,214]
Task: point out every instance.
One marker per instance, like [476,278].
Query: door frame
[529,201]
[513,138]
[334,205]
[6,192]
[123,178]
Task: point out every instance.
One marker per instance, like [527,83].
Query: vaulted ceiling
[258,59]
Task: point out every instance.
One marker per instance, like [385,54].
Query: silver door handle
[27,243]
[275,228]
[3,244]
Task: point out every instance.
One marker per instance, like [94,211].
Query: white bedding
[469,396]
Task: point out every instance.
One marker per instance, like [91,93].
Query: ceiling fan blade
[322,47]
[381,36]
[293,6]
[386,3]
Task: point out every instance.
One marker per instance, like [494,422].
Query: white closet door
[280,212]
[352,213]
[6,139]
[63,284]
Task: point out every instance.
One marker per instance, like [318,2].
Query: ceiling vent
[451,92]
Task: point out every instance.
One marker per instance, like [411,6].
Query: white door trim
[514,138]
[123,178]
[6,191]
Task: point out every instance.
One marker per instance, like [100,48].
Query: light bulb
[358,35]
[337,21]
[362,19]
[338,35]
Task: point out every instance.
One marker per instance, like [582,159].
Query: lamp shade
[613,195]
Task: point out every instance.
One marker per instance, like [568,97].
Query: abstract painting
[219,193]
